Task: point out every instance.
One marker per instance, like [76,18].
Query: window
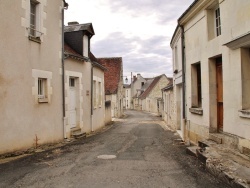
[142,84]
[42,89]
[34,27]
[85,46]
[245,69]
[217,21]
[176,59]
[100,94]
[196,85]
[213,21]
[94,94]
[127,93]
[71,82]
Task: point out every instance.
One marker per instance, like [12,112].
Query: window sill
[244,113]
[35,39]
[44,100]
[198,111]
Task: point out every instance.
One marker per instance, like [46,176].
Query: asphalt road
[145,156]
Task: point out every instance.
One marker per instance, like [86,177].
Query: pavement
[134,152]
[227,164]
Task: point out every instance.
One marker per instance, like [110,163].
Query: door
[72,103]
[219,80]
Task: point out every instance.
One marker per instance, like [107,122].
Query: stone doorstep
[228,171]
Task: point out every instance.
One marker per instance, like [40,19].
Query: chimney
[73,23]
[134,78]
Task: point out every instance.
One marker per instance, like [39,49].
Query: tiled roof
[150,87]
[169,86]
[95,61]
[79,27]
[69,52]
[113,74]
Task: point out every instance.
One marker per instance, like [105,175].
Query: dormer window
[85,46]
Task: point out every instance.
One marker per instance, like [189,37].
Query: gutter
[183,72]
[91,100]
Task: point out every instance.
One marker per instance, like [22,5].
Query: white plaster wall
[21,117]
[235,23]
[98,120]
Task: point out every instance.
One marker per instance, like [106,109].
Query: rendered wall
[22,62]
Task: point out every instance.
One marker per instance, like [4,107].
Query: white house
[217,65]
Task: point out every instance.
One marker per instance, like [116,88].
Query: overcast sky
[139,31]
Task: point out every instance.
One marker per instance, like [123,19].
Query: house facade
[178,118]
[136,90]
[151,97]
[127,96]
[84,82]
[169,113]
[30,83]
[113,81]
[217,64]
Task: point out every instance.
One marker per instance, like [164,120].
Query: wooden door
[219,79]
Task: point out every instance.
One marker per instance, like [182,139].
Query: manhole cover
[106,157]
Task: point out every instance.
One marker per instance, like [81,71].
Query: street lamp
[126,79]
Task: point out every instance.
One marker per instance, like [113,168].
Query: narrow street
[143,155]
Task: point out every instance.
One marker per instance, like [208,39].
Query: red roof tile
[113,74]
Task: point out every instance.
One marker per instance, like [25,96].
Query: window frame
[217,21]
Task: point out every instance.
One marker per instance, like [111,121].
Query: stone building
[216,55]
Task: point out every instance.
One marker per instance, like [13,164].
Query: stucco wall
[200,48]
[22,117]
[98,119]
[81,71]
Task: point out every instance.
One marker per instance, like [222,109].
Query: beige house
[138,84]
[151,97]
[178,119]
[113,83]
[84,82]
[217,66]
[169,113]
[127,96]
[30,83]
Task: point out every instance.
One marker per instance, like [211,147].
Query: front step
[77,133]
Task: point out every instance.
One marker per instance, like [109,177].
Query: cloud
[137,30]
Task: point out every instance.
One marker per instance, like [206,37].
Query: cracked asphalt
[143,154]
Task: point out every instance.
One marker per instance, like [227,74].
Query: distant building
[127,96]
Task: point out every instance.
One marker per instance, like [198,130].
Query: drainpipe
[91,100]
[183,72]
[185,126]
[63,74]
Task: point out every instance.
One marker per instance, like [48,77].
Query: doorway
[219,85]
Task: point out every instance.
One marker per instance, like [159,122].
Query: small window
[196,85]
[142,84]
[100,94]
[71,82]
[94,94]
[42,83]
[217,22]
